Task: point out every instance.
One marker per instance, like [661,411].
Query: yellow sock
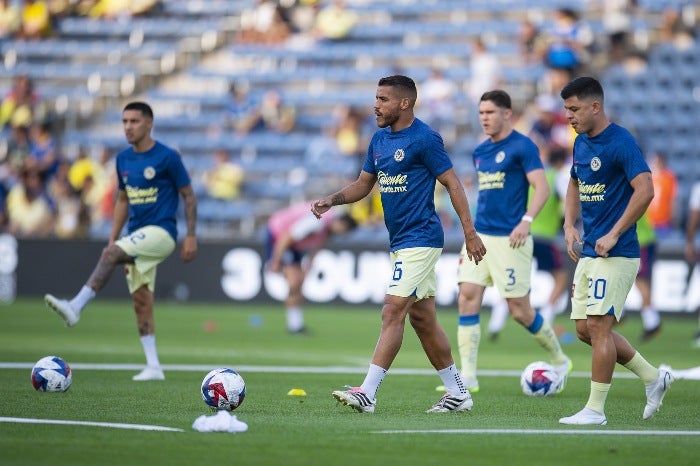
[468,338]
[596,399]
[642,369]
[549,341]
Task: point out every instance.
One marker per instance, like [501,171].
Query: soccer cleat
[63,309]
[149,373]
[585,417]
[563,371]
[452,403]
[649,334]
[656,392]
[356,399]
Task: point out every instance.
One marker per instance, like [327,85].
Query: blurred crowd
[47,190]
[36,19]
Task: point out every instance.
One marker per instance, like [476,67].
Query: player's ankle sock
[642,369]
[545,336]
[468,339]
[597,396]
[295,318]
[373,379]
[149,348]
[453,380]
[82,298]
[650,318]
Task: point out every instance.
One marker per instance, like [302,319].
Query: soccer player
[150,176]
[406,157]
[691,231]
[611,188]
[294,236]
[544,228]
[651,319]
[507,164]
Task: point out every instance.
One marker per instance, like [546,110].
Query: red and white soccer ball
[539,379]
[223,389]
[51,374]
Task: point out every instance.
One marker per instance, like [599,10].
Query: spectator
[113,9]
[485,71]
[348,130]
[437,104]
[530,43]
[276,115]
[567,41]
[28,209]
[18,148]
[36,20]
[44,152]
[224,179]
[263,24]
[661,209]
[72,218]
[242,111]
[10,19]
[22,105]
[334,21]
[3,208]
[550,130]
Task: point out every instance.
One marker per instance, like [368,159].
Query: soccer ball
[539,379]
[223,389]
[51,374]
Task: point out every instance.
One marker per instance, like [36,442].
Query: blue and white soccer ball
[223,389]
[539,379]
[51,374]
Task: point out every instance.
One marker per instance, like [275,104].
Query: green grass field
[504,427]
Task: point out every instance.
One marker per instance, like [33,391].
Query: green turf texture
[311,430]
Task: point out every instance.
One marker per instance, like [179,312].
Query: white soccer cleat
[563,371]
[149,373]
[63,309]
[585,417]
[452,403]
[356,399]
[656,392]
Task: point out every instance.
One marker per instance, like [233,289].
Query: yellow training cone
[296,392]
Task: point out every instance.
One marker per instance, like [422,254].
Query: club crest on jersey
[500,157]
[595,164]
[399,155]
[149,173]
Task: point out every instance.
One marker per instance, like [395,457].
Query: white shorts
[149,246]
[413,272]
[506,268]
[601,286]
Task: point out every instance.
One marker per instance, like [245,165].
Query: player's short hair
[142,107]
[405,84]
[499,97]
[583,87]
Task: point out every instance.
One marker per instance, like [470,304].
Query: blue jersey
[151,181]
[502,169]
[604,166]
[406,164]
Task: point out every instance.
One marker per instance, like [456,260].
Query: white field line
[286,369]
[110,425]
[602,431]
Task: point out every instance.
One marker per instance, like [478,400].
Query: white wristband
[527,218]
